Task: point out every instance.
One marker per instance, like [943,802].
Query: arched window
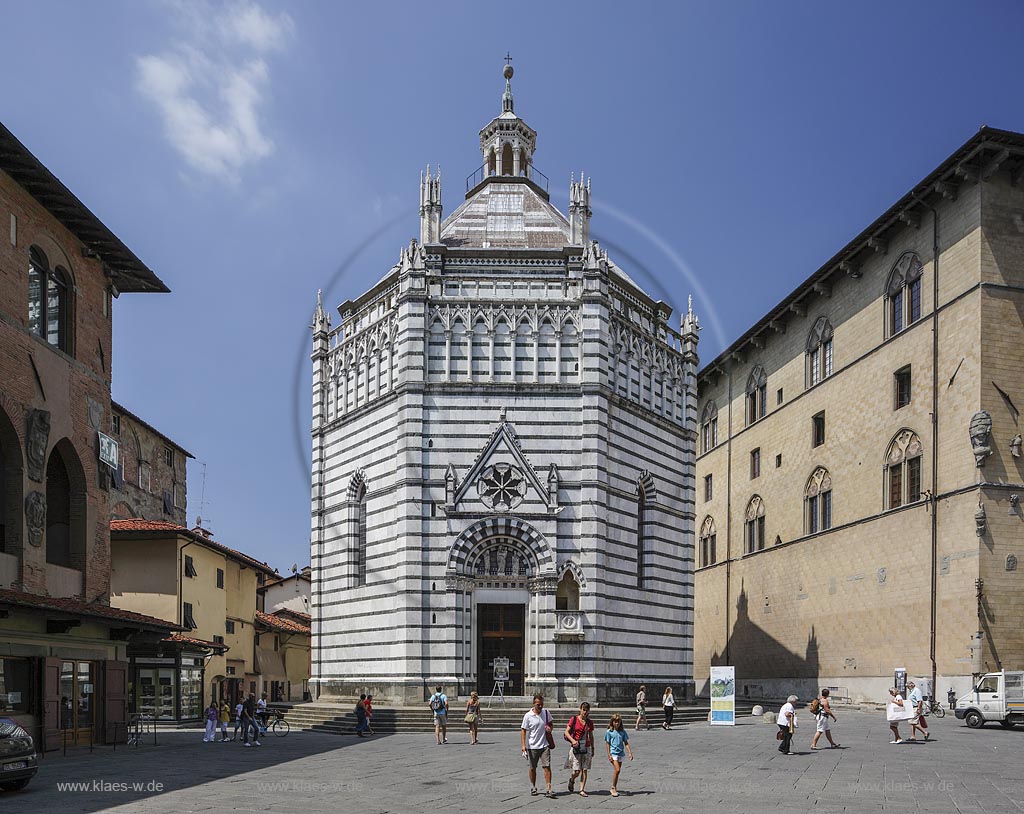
[642,533]
[492,163]
[753,526]
[567,593]
[903,469]
[903,293]
[357,528]
[49,300]
[709,427]
[507,161]
[818,501]
[819,352]
[708,542]
[65,521]
[757,395]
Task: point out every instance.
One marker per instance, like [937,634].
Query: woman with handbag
[895,712]
[473,716]
[668,703]
[580,734]
[787,723]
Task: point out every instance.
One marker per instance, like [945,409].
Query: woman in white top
[668,703]
[787,723]
[895,711]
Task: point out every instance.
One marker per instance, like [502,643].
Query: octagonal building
[503,457]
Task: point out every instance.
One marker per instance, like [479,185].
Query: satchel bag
[779,736]
[470,717]
[550,737]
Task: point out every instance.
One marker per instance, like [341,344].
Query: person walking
[787,723]
[895,712]
[212,714]
[616,741]
[249,721]
[580,734]
[473,716]
[368,706]
[668,703]
[225,719]
[238,719]
[360,710]
[535,734]
[915,701]
[439,706]
[261,713]
[641,708]
[822,714]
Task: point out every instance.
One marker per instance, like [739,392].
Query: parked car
[18,763]
[996,697]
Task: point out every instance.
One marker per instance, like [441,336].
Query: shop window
[16,686]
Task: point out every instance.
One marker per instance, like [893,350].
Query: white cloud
[210,87]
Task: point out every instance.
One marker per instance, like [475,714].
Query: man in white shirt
[787,723]
[916,701]
[536,747]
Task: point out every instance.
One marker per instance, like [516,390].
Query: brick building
[860,464]
[63,669]
[150,481]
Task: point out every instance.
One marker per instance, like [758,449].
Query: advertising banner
[723,696]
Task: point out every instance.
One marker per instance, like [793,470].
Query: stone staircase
[338,717]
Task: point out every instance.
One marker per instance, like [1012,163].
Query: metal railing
[531,172]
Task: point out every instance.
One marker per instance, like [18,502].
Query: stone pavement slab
[694,768]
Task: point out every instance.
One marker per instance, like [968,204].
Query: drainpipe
[935,440]
[728,514]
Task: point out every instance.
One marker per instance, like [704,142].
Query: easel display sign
[500,667]
[723,696]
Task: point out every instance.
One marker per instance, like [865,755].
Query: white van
[996,697]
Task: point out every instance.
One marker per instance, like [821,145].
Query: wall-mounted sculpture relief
[981,429]
[37,442]
[35,517]
[1015,445]
[980,520]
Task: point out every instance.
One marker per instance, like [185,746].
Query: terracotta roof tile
[276,622]
[79,608]
[138,524]
[182,638]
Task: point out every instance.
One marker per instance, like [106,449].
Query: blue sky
[244,150]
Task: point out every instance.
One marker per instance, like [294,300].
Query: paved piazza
[692,768]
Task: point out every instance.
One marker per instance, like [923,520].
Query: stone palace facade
[504,438]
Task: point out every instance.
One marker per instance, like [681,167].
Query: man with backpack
[822,711]
[439,706]
[580,734]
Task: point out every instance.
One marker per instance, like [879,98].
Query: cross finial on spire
[508,58]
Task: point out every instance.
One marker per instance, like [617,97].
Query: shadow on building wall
[757,655]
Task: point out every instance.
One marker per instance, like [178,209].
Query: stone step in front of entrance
[340,718]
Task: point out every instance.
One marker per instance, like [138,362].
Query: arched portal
[10,487]
[501,582]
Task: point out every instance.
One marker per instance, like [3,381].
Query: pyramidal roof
[506,214]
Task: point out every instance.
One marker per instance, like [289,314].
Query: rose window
[501,487]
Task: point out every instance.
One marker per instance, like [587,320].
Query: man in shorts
[536,747]
[439,706]
[916,701]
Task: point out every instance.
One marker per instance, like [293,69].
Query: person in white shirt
[916,702]
[895,714]
[535,733]
[787,723]
[668,703]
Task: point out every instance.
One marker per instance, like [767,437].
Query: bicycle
[933,707]
[278,727]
